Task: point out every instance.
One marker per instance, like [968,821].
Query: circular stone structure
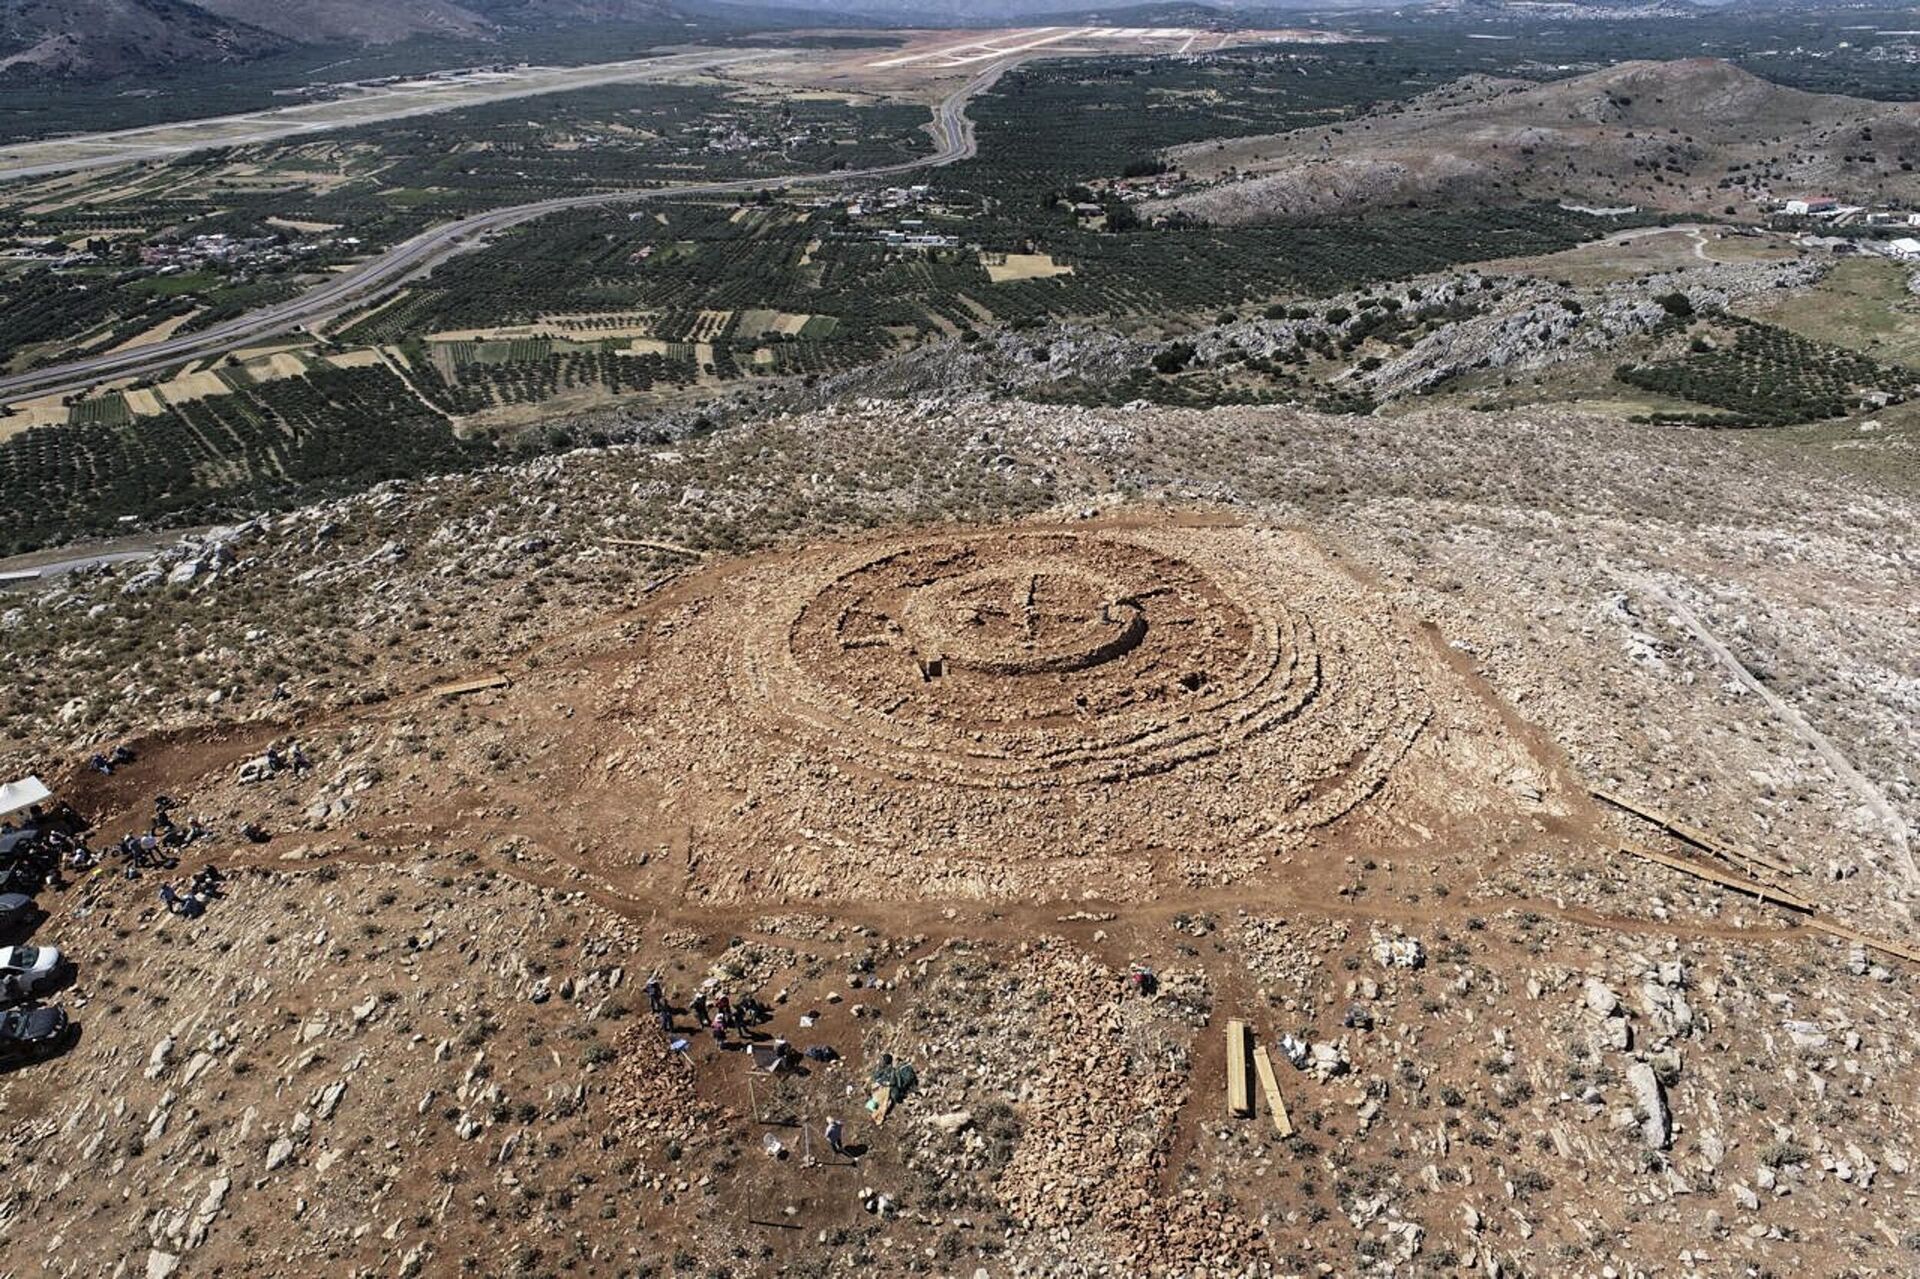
[1022,619]
[1019,658]
[1018,709]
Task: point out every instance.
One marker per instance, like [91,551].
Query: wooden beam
[1778,896]
[1239,1042]
[1692,834]
[1713,874]
[1874,943]
[1263,1067]
[666,547]
[480,685]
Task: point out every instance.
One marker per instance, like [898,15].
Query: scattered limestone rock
[1650,1102]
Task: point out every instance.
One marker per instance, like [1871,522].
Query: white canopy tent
[24,793]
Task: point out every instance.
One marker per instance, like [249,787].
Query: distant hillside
[352,21]
[529,14]
[72,40]
[1693,136]
[81,38]
[1131,13]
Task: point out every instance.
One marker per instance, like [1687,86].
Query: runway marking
[968,52]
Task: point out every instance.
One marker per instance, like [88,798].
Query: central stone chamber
[1021,619]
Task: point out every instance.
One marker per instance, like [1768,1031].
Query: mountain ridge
[65,39]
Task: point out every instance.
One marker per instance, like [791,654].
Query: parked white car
[26,971]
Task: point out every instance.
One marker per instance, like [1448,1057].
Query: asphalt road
[18,577]
[378,277]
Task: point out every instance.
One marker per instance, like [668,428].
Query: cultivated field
[359,106]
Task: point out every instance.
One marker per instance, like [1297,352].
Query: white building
[1812,204]
[1904,250]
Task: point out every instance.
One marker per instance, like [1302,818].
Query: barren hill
[1693,135]
[64,38]
[70,39]
[1303,730]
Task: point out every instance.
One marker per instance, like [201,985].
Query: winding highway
[379,277]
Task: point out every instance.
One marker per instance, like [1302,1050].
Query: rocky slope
[1689,136]
[352,21]
[89,39]
[1474,321]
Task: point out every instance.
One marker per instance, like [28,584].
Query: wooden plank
[1263,1067]
[1713,874]
[1874,943]
[480,685]
[1239,1097]
[1692,834]
[882,1104]
[1778,896]
[666,547]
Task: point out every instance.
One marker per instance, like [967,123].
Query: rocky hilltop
[1683,136]
[411,1029]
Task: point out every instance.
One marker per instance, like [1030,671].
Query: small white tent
[24,793]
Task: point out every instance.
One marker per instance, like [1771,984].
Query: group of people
[293,757]
[159,847]
[37,850]
[718,1013]
[58,842]
[104,762]
[207,883]
[721,1016]
[280,757]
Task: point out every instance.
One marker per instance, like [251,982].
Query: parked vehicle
[30,1033]
[16,909]
[26,971]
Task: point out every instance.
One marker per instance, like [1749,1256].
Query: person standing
[835,1134]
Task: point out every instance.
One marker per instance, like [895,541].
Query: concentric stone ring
[1016,710]
[1021,658]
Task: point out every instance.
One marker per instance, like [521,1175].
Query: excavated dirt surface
[1027,714]
[1150,708]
